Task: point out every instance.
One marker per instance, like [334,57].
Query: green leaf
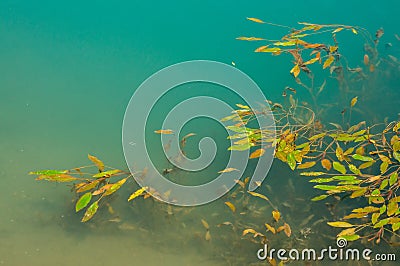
[339,167]
[354,169]
[358,193]
[57,178]
[326,187]
[375,217]
[320,197]
[381,223]
[321,180]
[49,172]
[383,167]
[362,158]
[351,237]
[396,155]
[83,201]
[384,184]
[115,187]
[90,212]
[344,177]
[393,178]
[318,136]
[392,208]
[107,173]
[340,224]
[241,147]
[395,226]
[312,173]
[291,160]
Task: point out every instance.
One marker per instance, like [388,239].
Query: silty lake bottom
[68,71]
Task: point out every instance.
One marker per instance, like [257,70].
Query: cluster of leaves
[91,187]
[363,163]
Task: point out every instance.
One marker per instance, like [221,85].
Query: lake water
[68,70]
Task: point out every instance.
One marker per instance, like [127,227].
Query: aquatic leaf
[83,201]
[395,226]
[333,49]
[207,236]
[288,43]
[320,197]
[311,61]
[256,20]
[249,39]
[107,173]
[326,187]
[230,117]
[87,186]
[328,62]
[102,189]
[57,178]
[227,170]
[337,30]
[354,169]
[344,177]
[393,178]
[270,228]
[49,172]
[375,217]
[164,131]
[137,193]
[115,187]
[351,237]
[366,60]
[242,147]
[90,212]
[257,153]
[266,49]
[383,167]
[339,167]
[339,153]
[306,165]
[367,209]
[97,162]
[291,160]
[362,158]
[353,101]
[392,208]
[354,30]
[321,180]
[381,223]
[295,70]
[249,230]
[276,215]
[205,224]
[230,205]
[347,232]
[312,173]
[366,165]
[340,224]
[358,193]
[318,136]
[326,164]
[255,194]
[287,230]
[396,155]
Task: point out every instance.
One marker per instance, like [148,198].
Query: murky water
[68,70]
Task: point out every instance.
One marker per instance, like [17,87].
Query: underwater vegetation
[350,163]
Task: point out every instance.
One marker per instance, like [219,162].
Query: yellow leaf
[256,20]
[312,173]
[326,164]
[295,70]
[266,49]
[242,106]
[230,205]
[257,153]
[340,224]
[311,61]
[270,228]
[353,101]
[347,232]
[306,165]
[276,214]
[137,193]
[289,43]
[287,230]
[354,30]
[249,39]
[164,131]
[246,231]
[208,236]
[328,62]
[255,194]
[337,30]
[333,49]
[227,170]
[97,162]
[205,224]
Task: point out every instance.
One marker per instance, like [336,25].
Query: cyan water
[67,72]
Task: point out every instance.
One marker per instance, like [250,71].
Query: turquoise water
[68,70]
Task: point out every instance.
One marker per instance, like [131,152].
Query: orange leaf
[326,164]
[295,70]
[287,230]
[97,162]
[276,215]
[257,153]
[164,131]
[256,20]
